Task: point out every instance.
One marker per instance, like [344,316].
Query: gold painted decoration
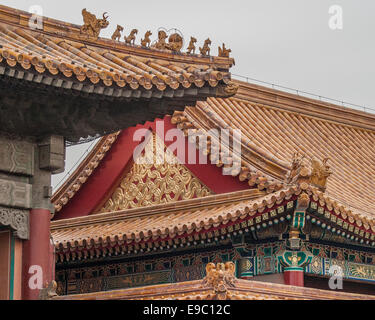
[131,38]
[92,25]
[205,50]
[224,52]
[151,183]
[117,34]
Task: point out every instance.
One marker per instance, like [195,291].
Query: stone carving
[146,41]
[220,277]
[191,47]
[15,194]
[205,50]
[52,154]
[131,38]
[16,156]
[224,52]
[313,171]
[117,34]
[17,219]
[92,25]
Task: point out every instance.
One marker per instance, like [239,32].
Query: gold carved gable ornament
[155,181]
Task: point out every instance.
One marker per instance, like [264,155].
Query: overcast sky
[283,42]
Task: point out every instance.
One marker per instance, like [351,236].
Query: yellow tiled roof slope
[275,124]
[60,50]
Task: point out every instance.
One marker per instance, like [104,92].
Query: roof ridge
[300,104]
[70,31]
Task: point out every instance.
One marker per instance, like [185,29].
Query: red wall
[112,167]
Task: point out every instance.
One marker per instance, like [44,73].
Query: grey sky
[284,42]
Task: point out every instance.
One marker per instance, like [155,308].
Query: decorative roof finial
[131,38]
[205,50]
[224,52]
[314,172]
[220,277]
[146,41]
[191,46]
[175,41]
[161,43]
[92,26]
[117,34]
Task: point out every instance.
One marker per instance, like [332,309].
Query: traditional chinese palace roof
[297,154]
[274,125]
[130,220]
[98,85]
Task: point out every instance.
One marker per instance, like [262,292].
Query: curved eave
[145,229]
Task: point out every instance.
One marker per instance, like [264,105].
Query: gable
[150,183]
[92,184]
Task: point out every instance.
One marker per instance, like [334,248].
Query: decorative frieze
[15,194]
[351,270]
[17,219]
[16,156]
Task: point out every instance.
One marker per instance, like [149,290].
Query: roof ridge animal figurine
[224,52]
[117,34]
[191,47]
[92,25]
[320,171]
[205,50]
[161,43]
[131,38]
[146,41]
[175,42]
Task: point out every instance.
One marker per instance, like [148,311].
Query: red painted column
[294,277]
[37,254]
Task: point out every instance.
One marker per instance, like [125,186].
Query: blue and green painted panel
[354,271]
